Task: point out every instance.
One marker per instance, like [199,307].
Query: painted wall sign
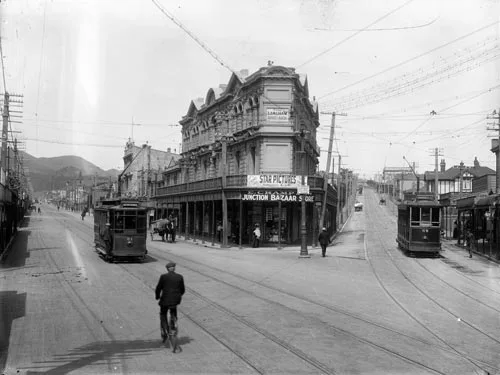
[278,114]
[275,196]
[275,180]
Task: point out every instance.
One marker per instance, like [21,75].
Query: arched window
[237,157]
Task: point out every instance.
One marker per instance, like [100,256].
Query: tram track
[308,359]
[90,319]
[280,342]
[408,279]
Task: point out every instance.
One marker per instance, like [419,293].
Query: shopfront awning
[465,203]
[487,202]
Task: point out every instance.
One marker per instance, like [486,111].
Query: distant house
[461,179]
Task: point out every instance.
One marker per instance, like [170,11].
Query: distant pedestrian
[173,227]
[324,240]
[219,231]
[256,236]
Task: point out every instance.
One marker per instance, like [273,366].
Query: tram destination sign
[275,180]
[275,196]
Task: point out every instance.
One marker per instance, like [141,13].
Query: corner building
[248,149]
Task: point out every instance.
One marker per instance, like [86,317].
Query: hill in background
[54,173]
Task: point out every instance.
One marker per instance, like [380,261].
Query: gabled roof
[304,83]
[194,106]
[234,84]
[453,173]
[213,94]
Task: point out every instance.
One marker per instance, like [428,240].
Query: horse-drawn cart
[165,228]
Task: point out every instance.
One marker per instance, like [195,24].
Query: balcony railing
[236,181]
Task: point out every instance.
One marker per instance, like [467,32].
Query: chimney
[476,162]
[443,165]
[168,150]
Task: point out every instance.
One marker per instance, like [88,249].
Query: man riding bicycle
[169,291]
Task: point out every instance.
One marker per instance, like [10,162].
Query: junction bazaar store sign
[275,196]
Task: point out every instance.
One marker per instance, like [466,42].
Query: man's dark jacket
[323,238]
[170,289]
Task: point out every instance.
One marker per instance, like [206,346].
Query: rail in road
[272,315]
[443,301]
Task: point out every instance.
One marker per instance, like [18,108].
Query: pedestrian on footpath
[256,236]
[323,241]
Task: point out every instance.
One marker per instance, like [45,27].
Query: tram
[120,229]
[419,225]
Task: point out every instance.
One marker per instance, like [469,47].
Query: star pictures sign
[275,180]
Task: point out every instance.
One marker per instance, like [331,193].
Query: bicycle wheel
[172,336]
[164,327]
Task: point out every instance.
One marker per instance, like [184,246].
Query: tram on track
[419,225]
[120,229]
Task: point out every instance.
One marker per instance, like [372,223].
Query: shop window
[272,224]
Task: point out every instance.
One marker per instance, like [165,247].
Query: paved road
[364,309]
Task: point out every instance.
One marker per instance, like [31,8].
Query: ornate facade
[245,148]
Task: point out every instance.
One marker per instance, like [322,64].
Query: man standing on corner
[256,236]
[323,241]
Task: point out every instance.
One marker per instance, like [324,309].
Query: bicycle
[169,332]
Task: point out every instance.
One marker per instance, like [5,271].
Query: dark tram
[419,224]
[120,229]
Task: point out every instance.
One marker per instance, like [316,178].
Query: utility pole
[498,156]
[496,147]
[328,162]
[461,177]
[437,153]
[414,173]
[5,129]
[436,178]
[339,189]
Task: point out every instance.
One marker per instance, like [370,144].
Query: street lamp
[303,229]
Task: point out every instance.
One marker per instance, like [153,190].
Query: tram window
[141,223]
[435,217]
[426,215]
[118,221]
[131,222]
[415,215]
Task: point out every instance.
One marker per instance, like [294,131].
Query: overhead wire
[353,35]
[202,44]
[449,107]
[422,77]
[410,59]
[383,29]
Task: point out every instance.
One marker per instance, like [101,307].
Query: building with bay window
[249,156]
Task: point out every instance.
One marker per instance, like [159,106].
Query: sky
[405,77]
